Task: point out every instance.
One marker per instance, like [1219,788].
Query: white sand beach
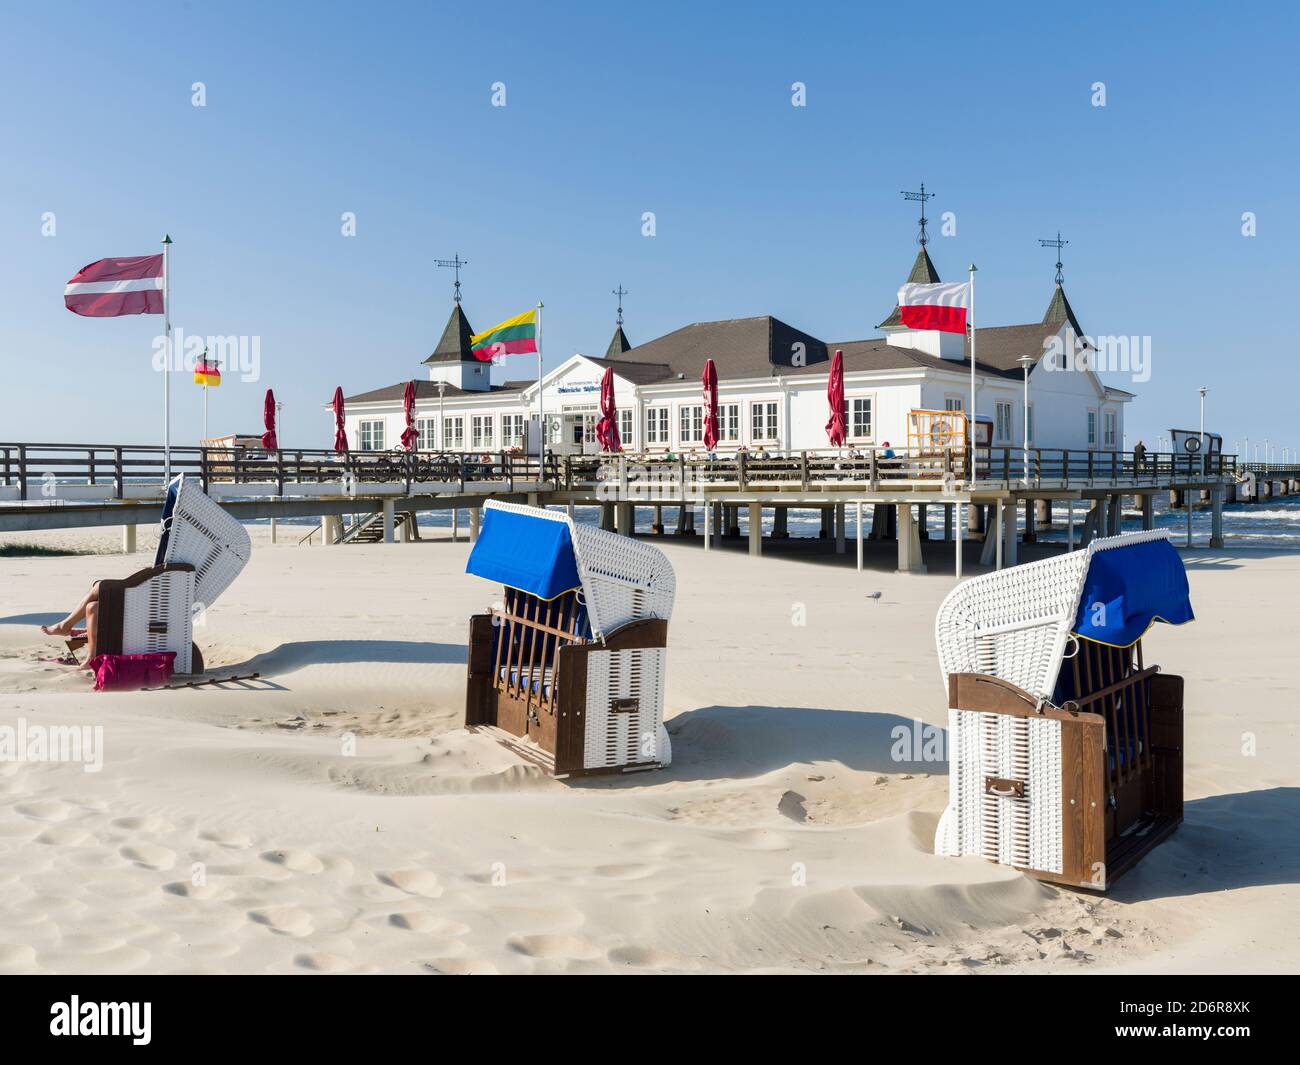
[334,817]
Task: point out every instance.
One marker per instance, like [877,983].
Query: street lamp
[1027,364]
[1202,390]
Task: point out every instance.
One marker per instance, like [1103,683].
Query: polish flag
[939,307]
[112,287]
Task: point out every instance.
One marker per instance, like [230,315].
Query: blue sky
[762,208]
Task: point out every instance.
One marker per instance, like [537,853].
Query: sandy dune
[333,818]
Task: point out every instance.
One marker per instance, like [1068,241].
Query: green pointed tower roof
[454,345]
[923,273]
[1059,311]
[618,344]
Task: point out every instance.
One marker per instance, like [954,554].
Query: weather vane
[455,263]
[921,197]
[620,292]
[1058,244]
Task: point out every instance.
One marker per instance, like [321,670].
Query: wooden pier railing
[31,467]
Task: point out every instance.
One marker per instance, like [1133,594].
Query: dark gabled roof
[1059,312]
[618,344]
[454,345]
[739,347]
[923,273]
[429,390]
[639,373]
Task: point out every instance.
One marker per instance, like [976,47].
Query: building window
[656,425]
[426,434]
[691,424]
[481,435]
[729,422]
[762,420]
[1029,415]
[625,426]
[1003,422]
[372,435]
[1110,429]
[860,417]
[512,430]
[952,403]
[453,434]
[1092,428]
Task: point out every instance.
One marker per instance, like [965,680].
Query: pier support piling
[780,523]
[128,539]
[857,527]
[389,518]
[755,529]
[1216,518]
[949,521]
[475,523]
[658,527]
[1031,517]
[839,528]
[909,541]
[1148,511]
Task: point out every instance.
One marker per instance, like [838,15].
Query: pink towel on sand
[126,673]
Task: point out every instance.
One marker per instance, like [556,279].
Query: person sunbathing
[87,611]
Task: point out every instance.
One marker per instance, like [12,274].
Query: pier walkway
[46,486]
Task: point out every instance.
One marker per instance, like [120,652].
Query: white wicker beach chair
[1071,774]
[201,551]
[581,673]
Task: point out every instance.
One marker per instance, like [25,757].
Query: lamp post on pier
[1027,364]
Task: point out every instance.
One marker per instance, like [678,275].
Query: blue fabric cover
[169,505]
[1128,589]
[533,555]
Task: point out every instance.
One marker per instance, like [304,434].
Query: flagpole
[541,408]
[167,368]
[973,269]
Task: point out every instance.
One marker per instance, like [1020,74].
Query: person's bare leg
[92,622]
[65,627]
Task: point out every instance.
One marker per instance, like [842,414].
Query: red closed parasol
[710,381]
[340,434]
[409,435]
[837,427]
[607,427]
[269,439]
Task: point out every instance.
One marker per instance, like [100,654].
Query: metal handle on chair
[1004,788]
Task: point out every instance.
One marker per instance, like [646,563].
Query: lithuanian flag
[512,337]
[207,373]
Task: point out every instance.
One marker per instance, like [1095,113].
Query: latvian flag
[112,287]
[207,372]
[938,307]
[512,337]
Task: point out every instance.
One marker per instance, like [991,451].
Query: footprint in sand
[65,836]
[45,810]
[568,948]
[461,967]
[186,890]
[761,839]
[16,955]
[148,823]
[149,856]
[236,840]
[413,882]
[298,861]
[322,962]
[428,923]
[284,920]
[625,871]
[650,958]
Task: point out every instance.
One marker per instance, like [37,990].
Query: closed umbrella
[269,439]
[409,434]
[710,381]
[607,427]
[340,434]
[837,427]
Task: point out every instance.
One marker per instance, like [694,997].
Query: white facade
[1067,408]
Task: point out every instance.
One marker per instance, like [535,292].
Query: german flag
[512,337]
[207,373]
